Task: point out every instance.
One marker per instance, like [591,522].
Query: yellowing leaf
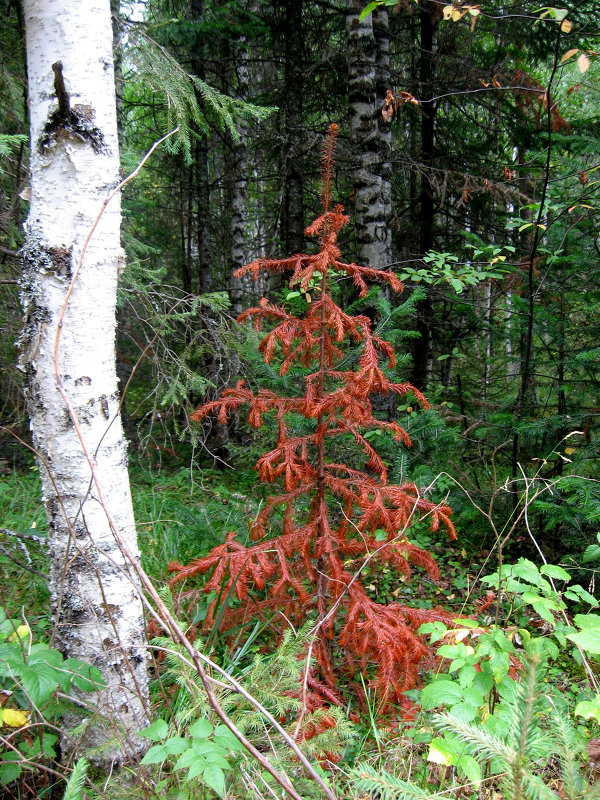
[583,63]
[569,451]
[436,756]
[569,54]
[566,26]
[456,15]
[461,634]
[22,632]
[14,718]
[448,11]
[474,11]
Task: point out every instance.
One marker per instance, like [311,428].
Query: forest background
[467,159]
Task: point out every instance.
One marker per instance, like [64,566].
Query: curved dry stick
[168,619]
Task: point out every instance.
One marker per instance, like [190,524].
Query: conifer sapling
[312,535]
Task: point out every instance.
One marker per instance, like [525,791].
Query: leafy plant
[35,681]
[330,514]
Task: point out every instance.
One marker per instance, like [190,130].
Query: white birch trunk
[370,136]
[74,165]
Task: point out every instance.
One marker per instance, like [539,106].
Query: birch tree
[74,167]
[367,44]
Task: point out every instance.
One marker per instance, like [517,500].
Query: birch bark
[74,166]
[368,54]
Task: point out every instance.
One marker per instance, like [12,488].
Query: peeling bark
[74,165]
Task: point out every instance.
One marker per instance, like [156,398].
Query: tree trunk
[236,163]
[422,363]
[293,104]
[75,165]
[370,137]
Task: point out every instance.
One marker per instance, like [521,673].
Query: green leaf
[176,745]
[39,682]
[467,675]
[156,755]
[84,676]
[589,709]
[214,778]
[157,731]
[554,571]
[483,681]
[368,10]
[577,592]
[473,696]
[589,637]
[9,772]
[456,285]
[470,769]
[201,729]
[464,711]
[442,692]
[587,640]
[225,738]
[592,553]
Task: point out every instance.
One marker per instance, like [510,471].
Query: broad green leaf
[588,640]
[589,709]
[440,752]
[467,675]
[587,621]
[201,729]
[9,772]
[554,571]
[592,553]
[197,768]
[190,759]
[577,592]
[442,692]
[470,769]
[156,755]
[464,711]
[214,778]
[39,682]
[483,681]
[225,738]
[157,731]
[176,745]
[473,696]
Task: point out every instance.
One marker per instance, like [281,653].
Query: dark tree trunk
[293,105]
[421,371]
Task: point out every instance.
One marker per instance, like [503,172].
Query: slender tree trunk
[200,180]
[236,171]
[421,371]
[370,138]
[293,104]
[75,165]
